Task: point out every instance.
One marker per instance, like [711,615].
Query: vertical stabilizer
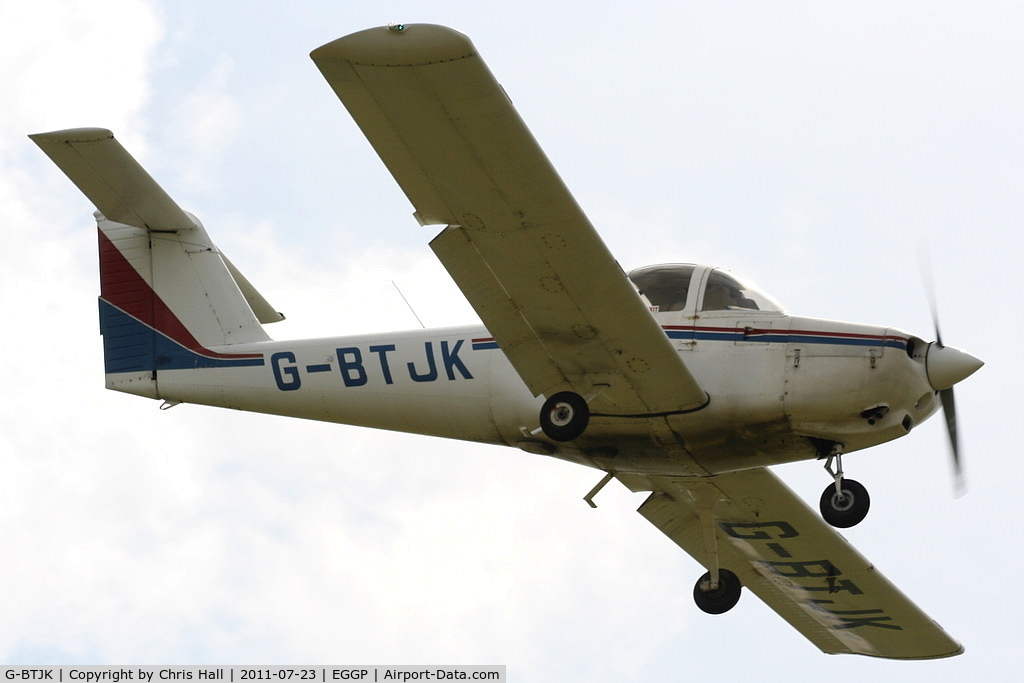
[169,300]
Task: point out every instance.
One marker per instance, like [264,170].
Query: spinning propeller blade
[949,410]
[946,366]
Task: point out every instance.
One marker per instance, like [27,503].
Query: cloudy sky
[816,147]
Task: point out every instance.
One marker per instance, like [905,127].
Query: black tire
[564,416]
[723,598]
[846,510]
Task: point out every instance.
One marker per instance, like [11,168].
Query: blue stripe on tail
[129,345]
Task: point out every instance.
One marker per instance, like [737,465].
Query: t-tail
[169,299]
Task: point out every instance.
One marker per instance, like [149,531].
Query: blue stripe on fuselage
[781,337]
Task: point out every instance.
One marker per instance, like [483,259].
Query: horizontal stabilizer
[265,313]
[112,179]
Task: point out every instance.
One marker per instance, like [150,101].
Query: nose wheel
[846,505]
[845,502]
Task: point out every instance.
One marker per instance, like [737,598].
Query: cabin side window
[666,288]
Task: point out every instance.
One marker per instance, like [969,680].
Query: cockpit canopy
[676,287]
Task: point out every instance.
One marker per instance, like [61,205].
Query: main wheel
[564,416]
[721,599]
[847,508]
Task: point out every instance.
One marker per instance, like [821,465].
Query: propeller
[945,367]
[946,396]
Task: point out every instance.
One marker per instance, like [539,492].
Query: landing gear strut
[719,589]
[845,502]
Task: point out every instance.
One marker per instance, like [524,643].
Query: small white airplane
[682,380]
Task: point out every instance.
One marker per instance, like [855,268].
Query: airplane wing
[789,557]
[517,244]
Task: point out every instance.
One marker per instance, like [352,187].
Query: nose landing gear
[845,502]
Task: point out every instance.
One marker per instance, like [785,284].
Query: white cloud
[353,292]
[71,64]
[212,115]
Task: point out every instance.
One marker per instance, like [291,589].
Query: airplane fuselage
[781,387]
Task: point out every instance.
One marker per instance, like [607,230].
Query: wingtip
[397,45]
[72,135]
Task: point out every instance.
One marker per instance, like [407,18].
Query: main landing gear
[564,416]
[717,599]
[719,589]
[845,502]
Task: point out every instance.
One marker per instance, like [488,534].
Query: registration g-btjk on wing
[682,380]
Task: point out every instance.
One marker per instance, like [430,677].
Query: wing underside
[790,558]
[516,243]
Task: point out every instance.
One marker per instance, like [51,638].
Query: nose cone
[946,366]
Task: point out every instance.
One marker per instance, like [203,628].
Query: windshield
[726,292]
